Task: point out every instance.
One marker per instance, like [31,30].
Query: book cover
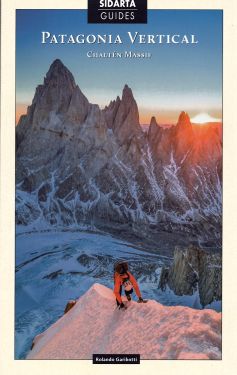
[118,184]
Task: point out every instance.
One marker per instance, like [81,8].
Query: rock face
[76,163]
[194,269]
[69,305]
[123,118]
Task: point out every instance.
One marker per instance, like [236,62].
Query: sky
[176,77]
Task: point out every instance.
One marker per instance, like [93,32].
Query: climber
[123,278]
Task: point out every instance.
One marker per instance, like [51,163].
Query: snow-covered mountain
[76,163]
[53,267]
[95,325]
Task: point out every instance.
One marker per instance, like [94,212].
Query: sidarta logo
[117,11]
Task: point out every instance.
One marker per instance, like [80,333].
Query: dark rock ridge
[192,270]
[76,163]
[69,305]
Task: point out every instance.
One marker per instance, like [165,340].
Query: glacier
[53,267]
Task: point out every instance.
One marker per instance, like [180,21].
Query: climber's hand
[122,306]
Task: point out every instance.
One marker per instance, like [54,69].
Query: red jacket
[118,281]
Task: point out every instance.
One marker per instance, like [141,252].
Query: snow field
[95,325]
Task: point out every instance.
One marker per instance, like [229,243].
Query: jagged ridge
[152,330]
[77,163]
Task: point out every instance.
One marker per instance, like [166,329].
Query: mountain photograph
[106,176]
[76,163]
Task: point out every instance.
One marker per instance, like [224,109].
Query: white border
[228,365]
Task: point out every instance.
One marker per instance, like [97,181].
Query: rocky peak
[153,128]
[127,93]
[183,121]
[128,100]
[122,116]
[184,135]
[74,103]
[126,122]
[153,121]
[54,95]
[113,104]
[59,73]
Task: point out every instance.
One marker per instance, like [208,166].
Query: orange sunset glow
[162,117]
[21,109]
[203,118]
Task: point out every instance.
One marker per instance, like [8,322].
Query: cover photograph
[118,183]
